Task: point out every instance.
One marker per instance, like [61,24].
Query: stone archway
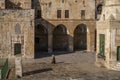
[41,38]
[60,38]
[80,37]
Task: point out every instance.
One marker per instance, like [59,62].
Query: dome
[112,2]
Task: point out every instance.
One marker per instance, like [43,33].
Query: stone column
[50,38]
[50,41]
[18,66]
[107,48]
[70,44]
[88,41]
[97,45]
[113,47]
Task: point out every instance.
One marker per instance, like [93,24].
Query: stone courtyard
[79,65]
[82,34]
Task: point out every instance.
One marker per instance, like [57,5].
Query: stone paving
[73,66]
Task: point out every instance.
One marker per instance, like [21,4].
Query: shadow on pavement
[36,72]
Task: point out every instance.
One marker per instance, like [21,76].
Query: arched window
[17,29]
[62,1]
[99,9]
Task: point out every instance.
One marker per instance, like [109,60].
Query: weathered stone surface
[18,4]
[8,22]
[29,14]
[109,26]
[18,66]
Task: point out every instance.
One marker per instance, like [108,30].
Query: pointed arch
[60,38]
[80,37]
[60,29]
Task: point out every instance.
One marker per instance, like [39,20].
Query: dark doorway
[17,48]
[41,38]
[80,37]
[60,38]
[102,44]
[118,53]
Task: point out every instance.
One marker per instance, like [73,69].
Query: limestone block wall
[17,26]
[99,2]
[109,26]
[2,4]
[115,39]
[112,2]
[49,8]
[23,4]
[110,13]
[50,21]
[103,28]
[112,40]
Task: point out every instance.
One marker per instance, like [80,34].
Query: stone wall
[109,26]
[50,21]
[18,4]
[111,2]
[103,28]
[49,8]
[2,4]
[17,26]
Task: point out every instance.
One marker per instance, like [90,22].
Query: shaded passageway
[80,37]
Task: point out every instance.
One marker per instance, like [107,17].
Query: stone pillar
[18,66]
[88,41]
[50,38]
[107,47]
[113,47]
[70,44]
[50,43]
[97,45]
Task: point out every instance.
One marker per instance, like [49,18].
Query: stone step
[116,67]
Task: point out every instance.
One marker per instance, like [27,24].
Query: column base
[50,50]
